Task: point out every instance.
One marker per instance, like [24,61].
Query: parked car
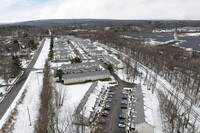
[121,125]
[108,101]
[104,114]
[106,108]
[124,97]
[124,92]
[112,90]
[122,116]
[122,122]
[124,102]
[124,106]
[111,93]
[110,96]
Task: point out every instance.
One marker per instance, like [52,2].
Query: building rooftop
[112,59]
[139,105]
[97,51]
[63,66]
[85,74]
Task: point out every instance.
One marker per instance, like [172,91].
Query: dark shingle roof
[139,105]
[86,74]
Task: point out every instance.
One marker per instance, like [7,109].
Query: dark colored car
[124,97]
[106,108]
[122,122]
[111,93]
[110,96]
[124,106]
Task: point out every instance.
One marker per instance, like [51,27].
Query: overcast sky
[22,10]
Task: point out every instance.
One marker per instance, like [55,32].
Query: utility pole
[29,116]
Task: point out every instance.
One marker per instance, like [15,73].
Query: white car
[121,125]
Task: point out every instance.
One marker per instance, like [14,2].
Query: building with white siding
[97,53]
[116,63]
[86,76]
[80,67]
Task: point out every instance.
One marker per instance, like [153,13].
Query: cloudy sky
[22,10]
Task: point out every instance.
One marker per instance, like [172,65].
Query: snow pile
[43,55]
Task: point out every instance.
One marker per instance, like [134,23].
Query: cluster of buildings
[87,71]
[62,51]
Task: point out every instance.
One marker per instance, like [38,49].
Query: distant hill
[61,22]
[57,21]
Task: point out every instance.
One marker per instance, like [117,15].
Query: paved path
[5,104]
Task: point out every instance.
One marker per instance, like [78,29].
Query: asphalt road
[111,125]
[5,104]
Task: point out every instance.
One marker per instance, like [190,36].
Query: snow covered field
[73,94]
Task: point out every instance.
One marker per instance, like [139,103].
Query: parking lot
[113,117]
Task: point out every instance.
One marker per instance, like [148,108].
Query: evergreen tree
[16,65]
[59,74]
[76,60]
[32,45]
[110,68]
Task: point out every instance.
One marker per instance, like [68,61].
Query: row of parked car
[122,116]
[106,109]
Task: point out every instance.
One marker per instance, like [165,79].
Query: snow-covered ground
[31,101]
[73,94]
[188,34]
[43,55]
[25,63]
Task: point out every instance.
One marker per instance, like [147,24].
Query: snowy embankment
[31,101]
[43,55]
[72,95]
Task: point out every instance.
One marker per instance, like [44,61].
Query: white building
[80,67]
[116,63]
[144,128]
[143,124]
[97,53]
[90,48]
[87,76]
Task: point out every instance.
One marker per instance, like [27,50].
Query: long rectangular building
[82,77]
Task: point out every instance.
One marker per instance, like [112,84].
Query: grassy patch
[113,83]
